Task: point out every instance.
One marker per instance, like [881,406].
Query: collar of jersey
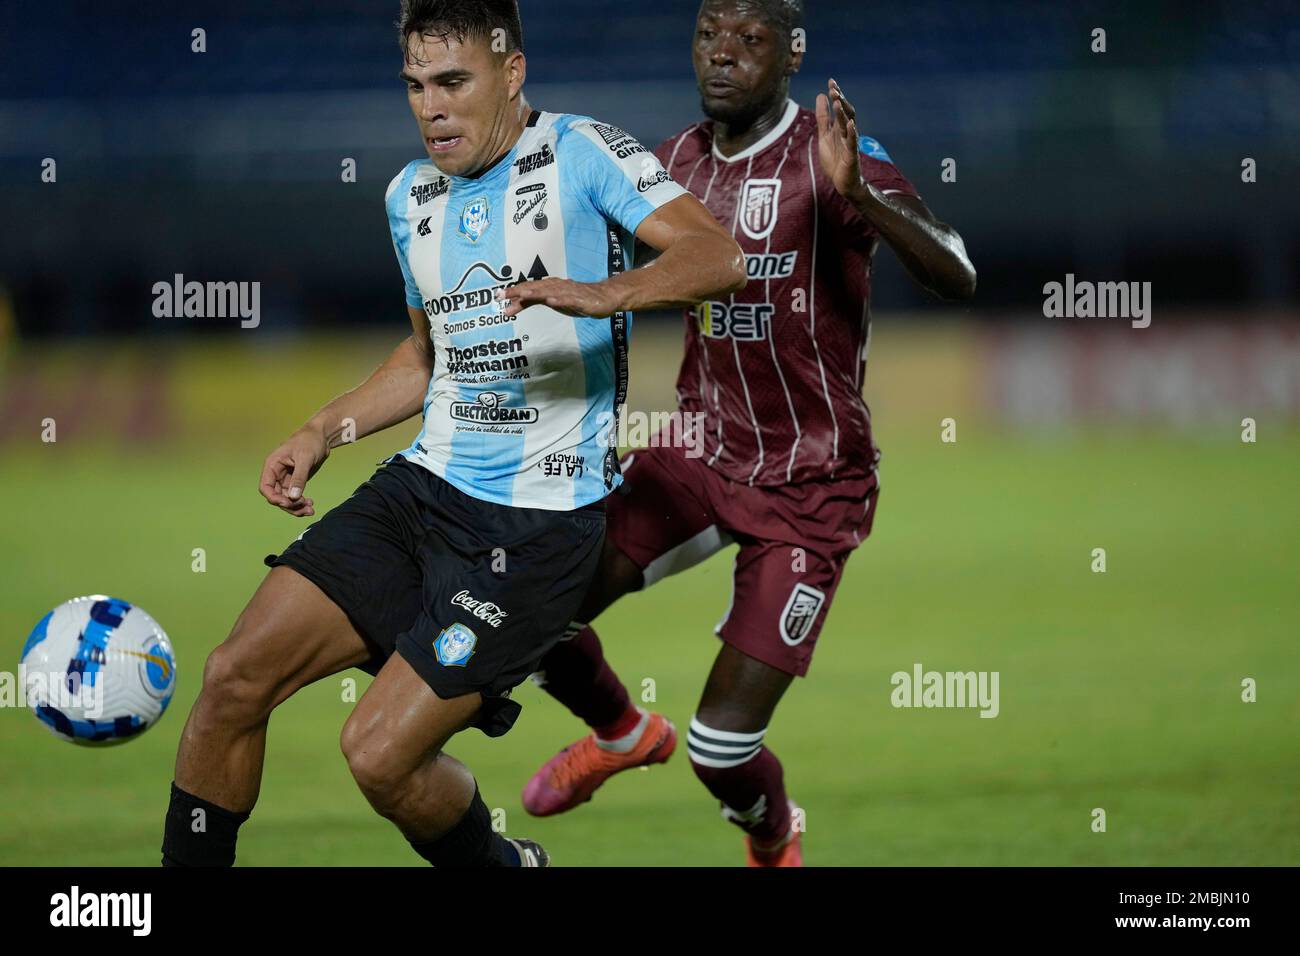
[777,131]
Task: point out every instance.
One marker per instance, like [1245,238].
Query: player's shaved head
[744,55]
[496,21]
[784,16]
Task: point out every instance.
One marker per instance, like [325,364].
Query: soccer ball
[97,670]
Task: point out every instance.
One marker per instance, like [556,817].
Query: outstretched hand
[837,142]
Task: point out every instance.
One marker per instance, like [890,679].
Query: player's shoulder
[565,124]
[595,148]
[879,169]
[413,173]
[576,128]
[686,144]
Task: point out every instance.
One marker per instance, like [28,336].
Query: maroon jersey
[776,369]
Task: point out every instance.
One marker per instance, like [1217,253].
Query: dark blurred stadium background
[1123,166]
[226,165]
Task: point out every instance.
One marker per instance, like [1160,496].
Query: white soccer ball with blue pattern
[97,670]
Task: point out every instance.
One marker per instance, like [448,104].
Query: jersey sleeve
[877,170]
[623,180]
[395,199]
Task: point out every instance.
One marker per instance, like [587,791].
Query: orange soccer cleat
[576,772]
[787,853]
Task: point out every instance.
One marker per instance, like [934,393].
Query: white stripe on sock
[726,735]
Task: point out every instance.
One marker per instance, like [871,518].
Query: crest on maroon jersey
[800,612]
[758,205]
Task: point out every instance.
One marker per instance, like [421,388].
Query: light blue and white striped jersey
[521,411]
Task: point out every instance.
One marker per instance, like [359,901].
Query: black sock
[214,842]
[471,842]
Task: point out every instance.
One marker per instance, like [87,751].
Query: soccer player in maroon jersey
[788,470]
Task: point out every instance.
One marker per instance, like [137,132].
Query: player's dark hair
[461,20]
[785,15]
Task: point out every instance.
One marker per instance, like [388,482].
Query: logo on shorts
[485,611]
[800,612]
[455,645]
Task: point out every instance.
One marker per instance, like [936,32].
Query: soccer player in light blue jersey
[457,566]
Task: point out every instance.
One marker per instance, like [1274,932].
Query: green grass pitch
[1119,690]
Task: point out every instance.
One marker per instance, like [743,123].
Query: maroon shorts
[673,511]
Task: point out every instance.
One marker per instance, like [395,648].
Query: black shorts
[471,593]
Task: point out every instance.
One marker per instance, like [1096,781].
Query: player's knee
[380,773]
[234,689]
[715,753]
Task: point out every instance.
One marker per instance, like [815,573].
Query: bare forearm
[931,251]
[698,260]
[691,270]
[393,393]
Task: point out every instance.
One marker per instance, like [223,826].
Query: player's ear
[516,71]
[795,63]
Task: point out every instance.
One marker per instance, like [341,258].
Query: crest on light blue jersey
[455,645]
[475,218]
